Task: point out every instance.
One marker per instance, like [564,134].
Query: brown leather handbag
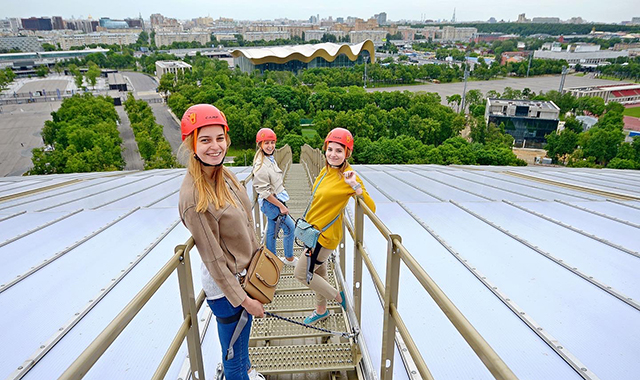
[262,276]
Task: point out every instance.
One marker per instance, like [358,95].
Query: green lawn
[309,132]
[635,112]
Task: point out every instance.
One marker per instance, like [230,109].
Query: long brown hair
[344,164]
[217,193]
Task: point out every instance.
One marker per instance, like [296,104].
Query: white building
[451,33]
[376,36]
[583,55]
[67,41]
[310,35]
[166,39]
[173,67]
[267,36]
[626,93]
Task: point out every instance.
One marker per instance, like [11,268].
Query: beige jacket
[268,178]
[225,238]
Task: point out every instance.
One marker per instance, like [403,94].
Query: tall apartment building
[67,41]
[87,26]
[166,39]
[311,35]
[376,36]
[381,17]
[267,36]
[58,23]
[37,23]
[450,33]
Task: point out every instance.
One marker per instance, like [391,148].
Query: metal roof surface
[534,266]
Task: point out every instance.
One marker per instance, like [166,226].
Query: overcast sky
[466,10]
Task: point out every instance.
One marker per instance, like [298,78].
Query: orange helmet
[266,134]
[340,136]
[201,115]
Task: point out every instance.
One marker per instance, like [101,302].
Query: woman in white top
[268,181]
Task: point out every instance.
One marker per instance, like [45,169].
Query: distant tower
[453,19]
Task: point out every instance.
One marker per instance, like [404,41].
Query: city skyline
[465,10]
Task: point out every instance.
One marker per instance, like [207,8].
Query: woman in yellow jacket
[335,185]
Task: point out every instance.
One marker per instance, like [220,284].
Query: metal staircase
[284,350]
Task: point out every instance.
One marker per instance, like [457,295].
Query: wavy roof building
[298,57]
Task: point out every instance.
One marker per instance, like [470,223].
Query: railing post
[390,298]
[187,296]
[343,249]
[358,225]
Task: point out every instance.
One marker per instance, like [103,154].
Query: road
[144,87]
[20,127]
[537,84]
[131,155]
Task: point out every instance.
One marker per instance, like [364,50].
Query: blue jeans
[236,368]
[272,211]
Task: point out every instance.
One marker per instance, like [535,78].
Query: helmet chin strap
[205,164]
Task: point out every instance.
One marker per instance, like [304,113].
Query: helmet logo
[192,118]
[348,139]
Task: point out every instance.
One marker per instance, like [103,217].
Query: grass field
[309,132]
[635,112]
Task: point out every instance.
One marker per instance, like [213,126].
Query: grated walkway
[283,350]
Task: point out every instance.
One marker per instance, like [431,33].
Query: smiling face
[336,154]
[268,147]
[211,145]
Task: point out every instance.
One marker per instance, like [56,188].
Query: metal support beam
[189,310]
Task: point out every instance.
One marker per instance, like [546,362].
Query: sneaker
[255,375]
[315,317]
[344,301]
[291,263]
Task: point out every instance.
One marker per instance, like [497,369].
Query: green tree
[92,74]
[454,100]
[560,145]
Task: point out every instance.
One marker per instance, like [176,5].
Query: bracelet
[356,187]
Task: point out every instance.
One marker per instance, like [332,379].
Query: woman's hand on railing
[253,307]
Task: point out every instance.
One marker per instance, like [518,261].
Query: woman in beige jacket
[268,182]
[215,208]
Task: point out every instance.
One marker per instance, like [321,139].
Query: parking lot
[20,132]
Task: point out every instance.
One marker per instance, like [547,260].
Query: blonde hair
[217,194]
[259,154]
[344,164]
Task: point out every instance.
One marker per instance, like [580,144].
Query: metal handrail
[188,329]
[396,252]
[179,261]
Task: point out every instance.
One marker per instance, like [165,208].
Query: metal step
[294,302]
[288,283]
[305,358]
[273,328]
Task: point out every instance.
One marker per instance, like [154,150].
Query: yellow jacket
[330,199]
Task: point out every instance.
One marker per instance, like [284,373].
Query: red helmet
[266,134]
[340,136]
[201,115]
